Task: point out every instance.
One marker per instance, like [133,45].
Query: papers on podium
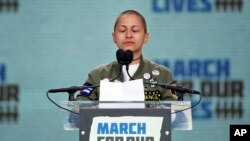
[126,91]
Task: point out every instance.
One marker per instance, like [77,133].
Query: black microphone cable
[129,75]
[112,80]
[192,106]
[71,111]
[59,105]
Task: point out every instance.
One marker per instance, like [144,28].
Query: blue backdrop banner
[48,44]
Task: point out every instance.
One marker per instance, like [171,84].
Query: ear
[113,36]
[146,37]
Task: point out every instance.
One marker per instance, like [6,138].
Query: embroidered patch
[153,95]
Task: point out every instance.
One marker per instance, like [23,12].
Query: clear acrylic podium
[126,121]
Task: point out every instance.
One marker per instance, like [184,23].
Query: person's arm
[91,94]
[169,94]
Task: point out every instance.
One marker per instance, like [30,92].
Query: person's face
[129,33]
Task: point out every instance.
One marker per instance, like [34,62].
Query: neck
[136,60]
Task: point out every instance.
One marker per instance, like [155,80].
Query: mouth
[128,43]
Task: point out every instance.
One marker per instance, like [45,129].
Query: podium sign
[126,121]
[125,124]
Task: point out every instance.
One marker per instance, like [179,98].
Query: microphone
[179,89]
[120,56]
[67,89]
[128,58]
[124,57]
[128,55]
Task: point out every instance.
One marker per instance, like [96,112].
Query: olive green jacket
[147,70]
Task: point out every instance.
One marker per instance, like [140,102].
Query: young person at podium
[130,33]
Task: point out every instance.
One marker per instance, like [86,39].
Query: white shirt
[132,69]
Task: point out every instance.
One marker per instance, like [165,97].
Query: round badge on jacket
[155,72]
[146,75]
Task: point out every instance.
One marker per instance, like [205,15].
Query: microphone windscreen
[128,56]
[120,55]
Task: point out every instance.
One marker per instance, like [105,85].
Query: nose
[129,34]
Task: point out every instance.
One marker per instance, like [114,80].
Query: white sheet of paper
[127,91]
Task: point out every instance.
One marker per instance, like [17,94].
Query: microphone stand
[71,95]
